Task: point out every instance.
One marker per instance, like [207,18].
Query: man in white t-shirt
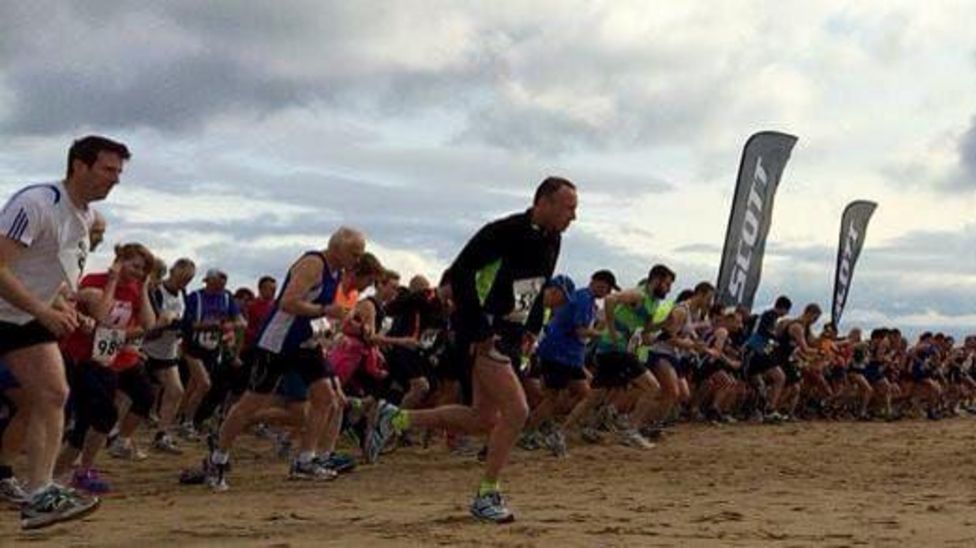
[162,346]
[44,244]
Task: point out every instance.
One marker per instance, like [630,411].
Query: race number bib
[208,340]
[525,290]
[107,344]
[428,338]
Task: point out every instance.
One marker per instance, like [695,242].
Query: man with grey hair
[288,342]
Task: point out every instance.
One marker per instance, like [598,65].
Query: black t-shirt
[500,273]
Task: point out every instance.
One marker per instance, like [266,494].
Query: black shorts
[654,358]
[269,367]
[616,369]
[759,363]
[557,376]
[792,372]
[210,358]
[708,368]
[14,337]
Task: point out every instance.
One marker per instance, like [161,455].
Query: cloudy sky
[258,127]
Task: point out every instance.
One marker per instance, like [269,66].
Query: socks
[487,487]
[219,457]
[6,472]
[401,421]
[306,457]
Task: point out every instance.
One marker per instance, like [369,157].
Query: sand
[810,484]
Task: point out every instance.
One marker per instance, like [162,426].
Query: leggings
[93,386]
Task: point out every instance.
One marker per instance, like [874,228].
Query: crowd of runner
[500,352]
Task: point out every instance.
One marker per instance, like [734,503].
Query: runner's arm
[481,251]
[305,275]
[100,307]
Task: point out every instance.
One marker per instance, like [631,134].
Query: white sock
[219,457]
[306,457]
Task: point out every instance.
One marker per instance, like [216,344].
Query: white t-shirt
[167,346]
[54,234]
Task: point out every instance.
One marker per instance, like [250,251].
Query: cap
[606,276]
[564,283]
[215,273]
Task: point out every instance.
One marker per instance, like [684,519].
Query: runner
[209,313]
[759,364]
[561,351]
[308,293]
[630,315]
[496,281]
[671,352]
[163,345]
[43,247]
[792,350]
[12,431]
[105,358]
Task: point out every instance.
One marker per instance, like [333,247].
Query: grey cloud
[699,248]
[967,156]
[175,66]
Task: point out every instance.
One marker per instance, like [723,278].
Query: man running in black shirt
[496,282]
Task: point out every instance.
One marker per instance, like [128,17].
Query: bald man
[288,342]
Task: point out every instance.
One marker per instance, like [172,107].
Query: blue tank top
[283,333]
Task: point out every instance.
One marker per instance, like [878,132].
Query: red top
[257,312]
[107,343]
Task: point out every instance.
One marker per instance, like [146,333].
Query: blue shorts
[292,387]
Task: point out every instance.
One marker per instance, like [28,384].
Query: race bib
[208,340]
[525,290]
[428,338]
[107,344]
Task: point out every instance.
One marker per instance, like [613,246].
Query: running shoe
[383,431]
[633,438]
[606,418]
[311,470]
[530,440]
[53,505]
[652,432]
[12,491]
[340,462]
[774,417]
[125,449]
[591,435]
[491,507]
[89,480]
[215,475]
[463,446]
[165,444]
[188,432]
[556,443]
